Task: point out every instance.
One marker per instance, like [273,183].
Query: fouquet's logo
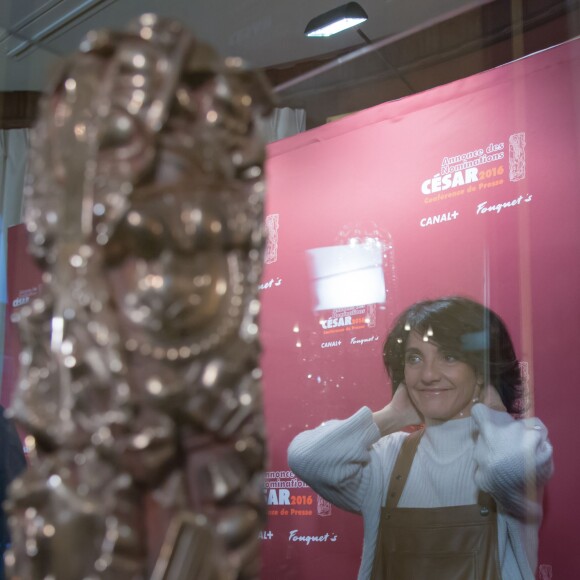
[355,340]
[496,208]
[294,536]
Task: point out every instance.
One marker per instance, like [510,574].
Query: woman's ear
[480,383]
[490,397]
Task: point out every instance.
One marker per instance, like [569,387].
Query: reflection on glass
[346,276]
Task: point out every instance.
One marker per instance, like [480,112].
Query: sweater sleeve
[334,459]
[513,460]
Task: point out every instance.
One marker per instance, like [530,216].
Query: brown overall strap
[402,468]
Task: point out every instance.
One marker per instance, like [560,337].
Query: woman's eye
[450,358]
[412,359]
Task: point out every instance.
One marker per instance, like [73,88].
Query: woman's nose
[430,371]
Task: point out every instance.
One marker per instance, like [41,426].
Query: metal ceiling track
[66,21]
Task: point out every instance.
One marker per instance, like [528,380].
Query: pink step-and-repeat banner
[471,188]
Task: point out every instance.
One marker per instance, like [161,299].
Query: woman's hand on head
[398,414]
[490,397]
[402,404]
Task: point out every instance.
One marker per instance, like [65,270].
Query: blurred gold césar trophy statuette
[139,385]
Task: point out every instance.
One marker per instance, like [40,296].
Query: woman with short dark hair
[474,333]
[461,497]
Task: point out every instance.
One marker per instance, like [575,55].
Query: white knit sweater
[349,464]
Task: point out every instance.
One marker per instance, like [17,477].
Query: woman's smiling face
[441,386]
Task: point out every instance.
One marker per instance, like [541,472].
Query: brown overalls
[448,543]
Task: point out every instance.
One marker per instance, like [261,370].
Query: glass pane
[430,151]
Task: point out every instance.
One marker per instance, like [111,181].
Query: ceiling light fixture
[336,20]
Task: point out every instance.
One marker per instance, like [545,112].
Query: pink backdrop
[23,283]
[504,233]
[367,172]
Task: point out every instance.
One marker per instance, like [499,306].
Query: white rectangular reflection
[347,275]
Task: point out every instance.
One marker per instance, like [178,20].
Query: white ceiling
[35,34]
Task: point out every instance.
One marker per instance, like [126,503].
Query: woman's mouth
[433,392]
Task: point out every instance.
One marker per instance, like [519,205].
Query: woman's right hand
[398,414]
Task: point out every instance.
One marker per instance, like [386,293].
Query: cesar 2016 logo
[463,169]
[459,170]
